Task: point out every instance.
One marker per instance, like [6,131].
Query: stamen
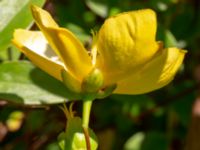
[94,46]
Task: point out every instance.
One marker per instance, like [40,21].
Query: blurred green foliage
[14,14]
[154,121]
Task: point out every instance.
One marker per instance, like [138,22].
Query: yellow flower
[124,53]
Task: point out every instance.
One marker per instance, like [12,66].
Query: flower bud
[93,82]
[74,138]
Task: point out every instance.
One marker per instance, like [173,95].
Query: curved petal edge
[35,47]
[155,74]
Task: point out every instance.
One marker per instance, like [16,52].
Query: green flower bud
[93,82]
[74,139]
[79,142]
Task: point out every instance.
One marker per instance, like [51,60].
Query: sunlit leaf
[21,82]
[148,141]
[14,14]
[135,141]
[99,7]
[12,53]
[167,37]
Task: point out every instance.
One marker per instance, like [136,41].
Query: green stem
[87,104]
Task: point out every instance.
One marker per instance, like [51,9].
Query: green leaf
[21,82]
[155,141]
[135,141]
[78,31]
[149,141]
[14,14]
[12,53]
[167,37]
[99,7]
[53,146]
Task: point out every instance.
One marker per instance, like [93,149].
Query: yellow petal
[66,45]
[34,45]
[126,42]
[72,52]
[155,74]
[42,17]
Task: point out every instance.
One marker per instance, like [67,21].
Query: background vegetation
[166,119]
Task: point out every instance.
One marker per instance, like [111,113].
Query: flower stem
[87,138]
[86,112]
[87,104]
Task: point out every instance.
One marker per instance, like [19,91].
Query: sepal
[70,81]
[106,91]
